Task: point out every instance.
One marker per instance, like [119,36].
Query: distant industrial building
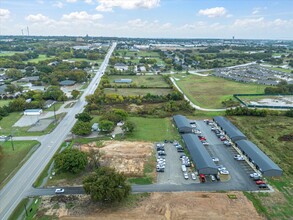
[33,112]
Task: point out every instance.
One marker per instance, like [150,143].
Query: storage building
[33,112]
[182,124]
[231,130]
[199,155]
[262,162]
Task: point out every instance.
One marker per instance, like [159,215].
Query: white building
[33,112]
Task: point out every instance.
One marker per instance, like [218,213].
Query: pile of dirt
[125,156]
[287,137]
[179,205]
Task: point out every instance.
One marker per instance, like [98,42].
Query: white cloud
[108,5]
[213,12]
[37,18]
[58,5]
[81,16]
[71,1]
[137,23]
[246,22]
[258,10]
[4,14]
[89,1]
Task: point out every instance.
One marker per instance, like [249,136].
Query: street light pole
[11,140]
[54,113]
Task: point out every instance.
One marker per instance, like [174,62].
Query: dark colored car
[263,186]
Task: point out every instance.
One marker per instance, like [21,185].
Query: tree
[75,93]
[13,73]
[82,128]
[53,92]
[106,125]
[128,126]
[105,184]
[71,160]
[84,116]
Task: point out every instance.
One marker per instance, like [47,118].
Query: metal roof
[259,158]
[200,156]
[231,130]
[182,123]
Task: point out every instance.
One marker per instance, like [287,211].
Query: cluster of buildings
[254,74]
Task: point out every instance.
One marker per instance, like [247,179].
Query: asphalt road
[16,189]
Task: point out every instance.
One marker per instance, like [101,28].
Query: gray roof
[259,158]
[231,130]
[182,124]
[67,82]
[199,155]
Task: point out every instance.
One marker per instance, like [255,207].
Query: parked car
[257,178]
[202,138]
[59,191]
[205,143]
[215,159]
[258,182]
[224,172]
[263,186]
[218,177]
[227,143]
[182,155]
[252,175]
[212,177]
[185,174]
[193,176]
[162,153]
[223,138]
[202,178]
[160,169]
[238,157]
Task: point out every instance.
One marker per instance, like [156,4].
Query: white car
[193,176]
[212,177]
[224,172]
[254,175]
[185,174]
[215,159]
[238,157]
[59,190]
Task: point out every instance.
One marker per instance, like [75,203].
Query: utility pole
[54,113]
[25,210]
[11,140]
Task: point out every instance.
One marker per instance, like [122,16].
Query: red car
[260,182]
[223,138]
[202,138]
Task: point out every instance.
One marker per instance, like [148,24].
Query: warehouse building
[33,112]
[199,155]
[182,124]
[261,161]
[231,130]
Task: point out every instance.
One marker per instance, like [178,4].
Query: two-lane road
[16,189]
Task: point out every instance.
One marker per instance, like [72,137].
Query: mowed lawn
[147,81]
[4,102]
[136,91]
[152,129]
[9,159]
[41,57]
[267,133]
[210,91]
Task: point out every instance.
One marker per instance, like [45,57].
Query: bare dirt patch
[125,156]
[183,205]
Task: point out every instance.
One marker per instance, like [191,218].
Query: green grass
[12,159]
[8,53]
[152,129]
[4,102]
[31,209]
[281,69]
[41,57]
[147,81]
[137,91]
[265,133]
[57,106]
[18,210]
[210,91]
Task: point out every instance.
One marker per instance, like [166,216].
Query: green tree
[128,126]
[53,92]
[71,160]
[13,73]
[82,128]
[106,125]
[75,93]
[105,184]
[84,116]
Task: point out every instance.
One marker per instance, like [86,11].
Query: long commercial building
[182,124]
[199,155]
[261,161]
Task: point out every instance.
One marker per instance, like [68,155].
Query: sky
[243,19]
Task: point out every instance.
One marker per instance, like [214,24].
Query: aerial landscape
[146,109]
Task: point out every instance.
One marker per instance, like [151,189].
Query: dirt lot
[125,156]
[184,205]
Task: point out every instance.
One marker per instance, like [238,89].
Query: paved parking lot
[239,170]
[173,173]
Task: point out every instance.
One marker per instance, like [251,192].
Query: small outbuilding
[231,130]
[261,161]
[199,155]
[33,112]
[182,124]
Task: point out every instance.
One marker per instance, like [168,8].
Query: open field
[141,53]
[154,206]
[41,57]
[8,53]
[152,129]
[11,159]
[210,91]
[136,91]
[147,81]
[274,136]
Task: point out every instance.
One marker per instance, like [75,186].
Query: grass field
[12,159]
[147,81]
[210,91]
[137,91]
[8,53]
[152,129]
[265,133]
[40,58]
[281,69]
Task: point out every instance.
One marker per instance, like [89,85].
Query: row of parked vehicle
[220,134]
[161,160]
[259,181]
